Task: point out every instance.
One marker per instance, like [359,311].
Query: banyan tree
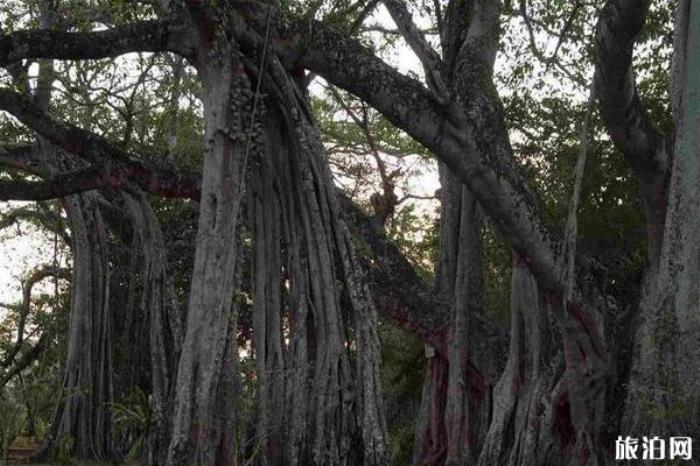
[181,271]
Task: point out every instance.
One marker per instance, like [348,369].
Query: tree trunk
[457,385]
[664,383]
[329,369]
[265,218]
[160,317]
[531,423]
[202,414]
[82,423]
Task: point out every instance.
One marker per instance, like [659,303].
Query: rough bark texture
[314,325]
[202,416]
[82,423]
[646,149]
[319,396]
[468,390]
[455,411]
[160,317]
[664,384]
[531,424]
[467,39]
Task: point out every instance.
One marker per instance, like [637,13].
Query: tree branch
[78,181]
[643,145]
[27,287]
[148,36]
[113,166]
[26,359]
[432,64]
[397,289]
[21,157]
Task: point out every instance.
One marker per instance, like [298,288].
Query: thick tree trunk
[82,423]
[160,317]
[468,390]
[529,427]
[202,418]
[430,442]
[664,383]
[265,218]
[548,404]
[457,385]
[319,396]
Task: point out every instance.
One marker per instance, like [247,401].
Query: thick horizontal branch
[630,127]
[112,166]
[149,36]
[16,155]
[90,178]
[79,181]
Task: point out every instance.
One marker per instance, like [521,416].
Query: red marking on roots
[563,427]
[435,435]
[536,419]
[477,383]
[584,317]
[406,320]
[520,260]
[469,438]
[519,376]
[224,455]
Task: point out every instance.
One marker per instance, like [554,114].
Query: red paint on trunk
[205,24]
[477,383]
[434,437]
[563,427]
[404,318]
[519,376]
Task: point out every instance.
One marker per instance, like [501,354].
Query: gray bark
[457,387]
[319,397]
[529,427]
[664,383]
[468,55]
[82,421]
[202,416]
[160,315]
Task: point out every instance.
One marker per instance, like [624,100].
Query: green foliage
[132,417]
[418,237]
[62,451]
[496,272]
[403,365]
[10,421]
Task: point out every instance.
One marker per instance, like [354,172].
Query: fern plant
[132,417]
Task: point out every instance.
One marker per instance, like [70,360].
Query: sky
[23,248]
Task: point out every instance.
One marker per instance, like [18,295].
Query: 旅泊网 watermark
[653,448]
